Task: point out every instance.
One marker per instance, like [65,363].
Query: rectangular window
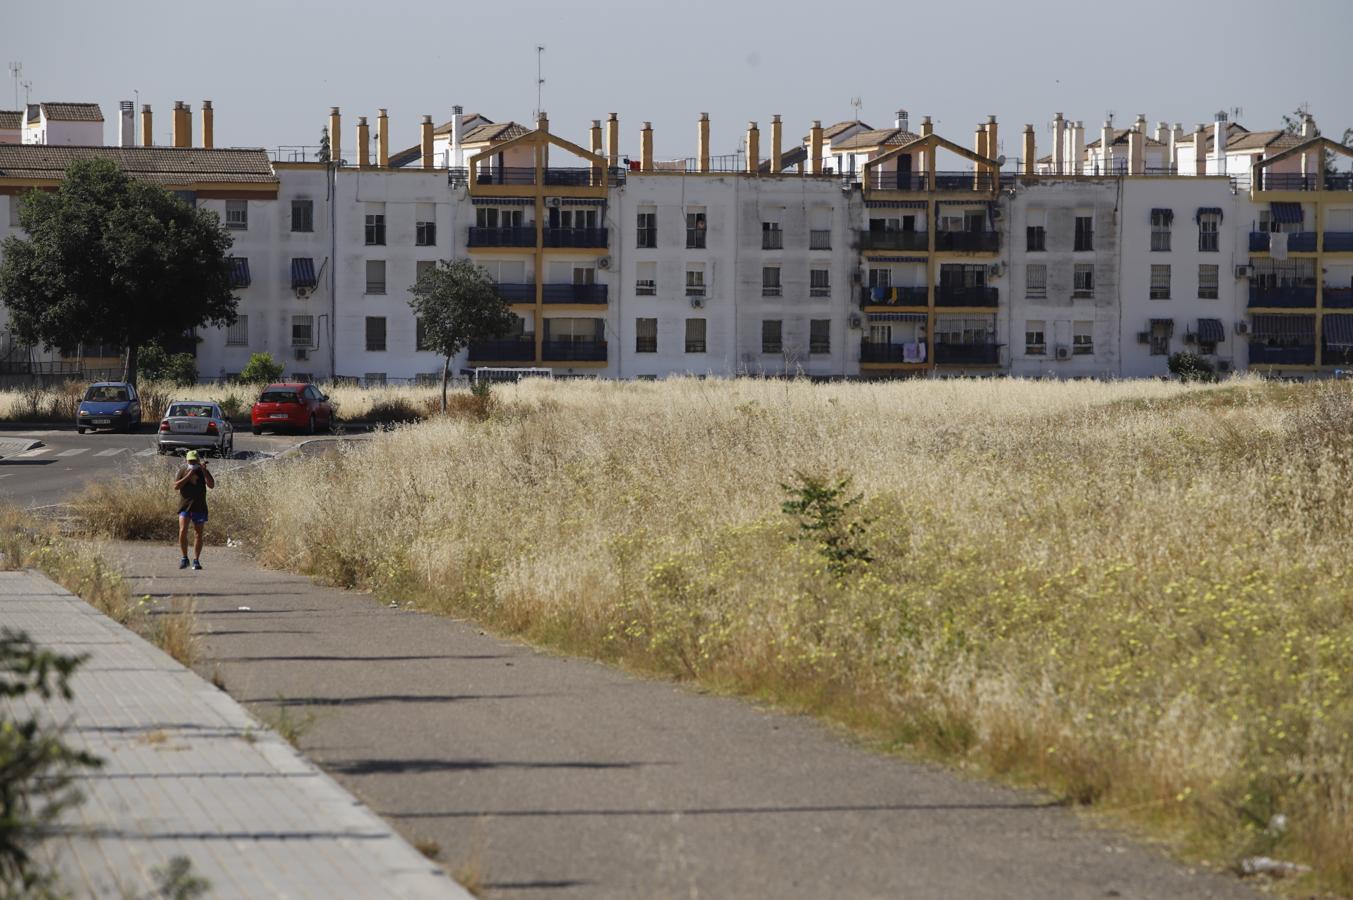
[1161,219]
[422,267]
[302,331]
[647,230]
[1083,338]
[695,335]
[425,225]
[375,225]
[1208,232]
[1085,233]
[770,336]
[645,335]
[820,239]
[1083,281]
[1035,340]
[374,379]
[820,283]
[1036,231]
[375,333]
[695,230]
[772,238]
[237,214]
[1161,332]
[1160,282]
[1207,282]
[420,337]
[646,279]
[237,335]
[770,281]
[375,276]
[695,282]
[1036,280]
[819,335]
[302,215]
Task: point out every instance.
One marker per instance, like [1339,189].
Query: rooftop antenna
[540,79]
[856,103]
[16,72]
[27,91]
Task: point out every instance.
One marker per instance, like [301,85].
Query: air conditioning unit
[554,201]
[697,303]
[1063,352]
[303,292]
[604,262]
[302,353]
[1242,328]
[994,270]
[1244,271]
[856,320]
[1143,337]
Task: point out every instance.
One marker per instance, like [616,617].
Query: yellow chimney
[383,139]
[363,143]
[613,140]
[1030,151]
[542,122]
[208,125]
[753,148]
[646,148]
[776,157]
[335,135]
[927,127]
[595,137]
[815,148]
[181,125]
[147,135]
[702,142]
[426,129]
[993,151]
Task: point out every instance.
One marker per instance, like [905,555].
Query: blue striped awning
[1270,325]
[968,202]
[1287,213]
[239,272]
[896,204]
[302,272]
[1211,331]
[895,259]
[502,201]
[1206,211]
[1338,331]
[900,317]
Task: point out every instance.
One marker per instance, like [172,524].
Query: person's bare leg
[197,541]
[183,536]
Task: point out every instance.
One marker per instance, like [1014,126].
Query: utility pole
[540,79]
[16,72]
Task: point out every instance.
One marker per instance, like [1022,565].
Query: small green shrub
[261,369]
[825,520]
[178,369]
[1191,367]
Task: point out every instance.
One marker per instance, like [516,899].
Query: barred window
[645,335]
[695,335]
[302,331]
[237,335]
[1035,339]
[375,333]
[770,336]
[1160,282]
[1208,279]
[819,283]
[1083,284]
[770,281]
[1161,219]
[1083,338]
[1036,280]
[820,336]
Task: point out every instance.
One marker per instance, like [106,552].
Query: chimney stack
[1078,147]
[993,150]
[776,156]
[1058,145]
[901,120]
[1030,151]
[457,137]
[543,122]
[1220,132]
[181,125]
[1200,150]
[927,127]
[1163,132]
[425,135]
[702,142]
[594,137]
[147,133]
[335,135]
[363,143]
[1136,138]
[208,125]
[383,139]
[815,148]
[753,148]
[126,124]
[646,148]
[1106,136]
[1308,129]
[613,140]
[1176,135]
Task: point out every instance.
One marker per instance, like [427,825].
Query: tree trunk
[446,374]
[129,369]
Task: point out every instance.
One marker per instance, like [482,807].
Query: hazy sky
[273,69]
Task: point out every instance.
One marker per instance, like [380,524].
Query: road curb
[18,445]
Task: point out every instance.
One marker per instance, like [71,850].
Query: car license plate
[278,416]
[100,421]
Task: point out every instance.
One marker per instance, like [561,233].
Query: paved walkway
[566,779]
[189,773]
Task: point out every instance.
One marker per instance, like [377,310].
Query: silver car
[195,425]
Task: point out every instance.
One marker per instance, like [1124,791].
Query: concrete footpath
[559,778]
[187,772]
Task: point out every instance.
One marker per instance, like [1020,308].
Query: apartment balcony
[521,349]
[1339,242]
[880,353]
[967,241]
[589,238]
[512,236]
[573,351]
[594,294]
[893,180]
[893,296]
[1263,355]
[966,181]
[883,180]
[1338,297]
[894,240]
[577,176]
[517,293]
[968,354]
[1283,296]
[1297,241]
[946,295]
[1294,181]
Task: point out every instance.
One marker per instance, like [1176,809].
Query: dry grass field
[1134,594]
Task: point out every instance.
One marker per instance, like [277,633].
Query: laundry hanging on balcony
[1277,245]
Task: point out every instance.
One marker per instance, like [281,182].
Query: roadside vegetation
[1132,594]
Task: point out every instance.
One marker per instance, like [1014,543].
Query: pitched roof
[791,157]
[1263,140]
[11,118]
[469,120]
[1120,136]
[72,112]
[495,134]
[877,137]
[161,165]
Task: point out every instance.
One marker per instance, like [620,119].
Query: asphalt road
[565,779]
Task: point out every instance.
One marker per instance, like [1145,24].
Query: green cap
[191,456]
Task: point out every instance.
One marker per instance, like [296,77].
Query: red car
[294,405]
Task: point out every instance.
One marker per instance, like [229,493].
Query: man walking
[192,483]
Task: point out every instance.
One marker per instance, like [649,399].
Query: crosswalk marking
[113,451]
[74,451]
[149,452]
[36,451]
[5,474]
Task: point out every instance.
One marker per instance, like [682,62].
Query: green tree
[324,145]
[261,367]
[112,259]
[457,303]
[158,365]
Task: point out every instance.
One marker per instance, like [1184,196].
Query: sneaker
[197,564]
[183,563]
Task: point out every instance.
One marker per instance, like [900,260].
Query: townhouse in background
[853,252]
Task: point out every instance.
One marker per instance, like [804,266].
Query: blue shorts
[195,518]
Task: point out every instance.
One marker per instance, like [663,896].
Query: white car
[195,425]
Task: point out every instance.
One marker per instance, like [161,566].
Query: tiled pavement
[187,772]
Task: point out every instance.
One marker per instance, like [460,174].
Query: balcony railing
[916,181]
[880,353]
[893,296]
[579,176]
[1338,297]
[967,354]
[894,240]
[1297,241]
[575,293]
[894,180]
[517,293]
[576,237]
[1263,355]
[946,295]
[1295,181]
[1338,241]
[512,236]
[504,350]
[820,239]
[968,241]
[1290,296]
[772,240]
[574,351]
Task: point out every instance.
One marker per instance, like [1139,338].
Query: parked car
[195,425]
[114,405]
[292,406]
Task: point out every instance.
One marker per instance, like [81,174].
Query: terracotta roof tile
[1120,138]
[162,165]
[878,137]
[11,118]
[72,112]
[495,133]
[473,120]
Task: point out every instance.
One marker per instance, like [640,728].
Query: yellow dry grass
[1134,594]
